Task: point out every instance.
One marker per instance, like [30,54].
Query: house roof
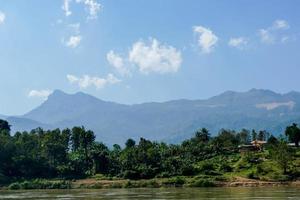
[258,142]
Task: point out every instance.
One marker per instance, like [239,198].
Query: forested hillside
[74,153]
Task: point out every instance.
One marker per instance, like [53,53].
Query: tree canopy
[72,153]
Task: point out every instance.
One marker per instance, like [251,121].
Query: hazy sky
[132,51]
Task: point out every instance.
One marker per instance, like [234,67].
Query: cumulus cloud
[87,81]
[273,33]
[117,62]
[92,6]
[207,40]
[40,93]
[154,57]
[2,17]
[239,42]
[66,7]
[280,24]
[73,38]
[73,41]
[266,36]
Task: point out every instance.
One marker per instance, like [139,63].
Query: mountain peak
[58,93]
[114,123]
[262,91]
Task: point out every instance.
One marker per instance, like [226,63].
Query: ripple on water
[159,194]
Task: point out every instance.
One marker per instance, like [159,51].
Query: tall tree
[202,135]
[254,135]
[4,127]
[100,155]
[244,136]
[130,143]
[282,154]
[293,133]
[82,140]
[263,135]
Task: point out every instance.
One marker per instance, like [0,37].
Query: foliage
[293,133]
[40,184]
[282,154]
[73,153]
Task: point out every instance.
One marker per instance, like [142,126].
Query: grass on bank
[40,184]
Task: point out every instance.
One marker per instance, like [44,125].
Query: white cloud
[239,42]
[285,39]
[72,78]
[87,81]
[266,36]
[75,28]
[73,41]
[155,57]
[66,7]
[2,17]
[280,24]
[73,35]
[207,40]
[117,62]
[273,34]
[92,6]
[39,93]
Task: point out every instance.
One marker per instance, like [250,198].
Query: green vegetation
[53,159]
[40,184]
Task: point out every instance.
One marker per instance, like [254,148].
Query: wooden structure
[255,145]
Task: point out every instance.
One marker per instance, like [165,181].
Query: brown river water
[162,193]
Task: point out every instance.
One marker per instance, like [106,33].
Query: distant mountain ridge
[170,121]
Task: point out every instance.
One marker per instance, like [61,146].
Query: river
[163,193]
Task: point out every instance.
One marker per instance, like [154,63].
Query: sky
[134,51]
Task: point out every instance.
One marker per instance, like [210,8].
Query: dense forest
[74,153]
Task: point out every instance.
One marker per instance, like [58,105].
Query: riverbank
[94,183]
[178,182]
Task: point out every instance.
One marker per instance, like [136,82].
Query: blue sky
[138,51]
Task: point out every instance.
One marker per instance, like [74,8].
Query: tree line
[74,153]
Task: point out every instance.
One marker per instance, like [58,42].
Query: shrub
[279,177]
[95,186]
[220,178]
[187,170]
[206,167]
[251,175]
[176,181]
[128,184]
[163,175]
[116,185]
[203,183]
[100,177]
[27,185]
[152,184]
[130,174]
[225,167]
[14,186]
[40,184]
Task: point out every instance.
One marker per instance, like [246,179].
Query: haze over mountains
[170,121]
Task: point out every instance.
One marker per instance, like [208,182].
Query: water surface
[164,193]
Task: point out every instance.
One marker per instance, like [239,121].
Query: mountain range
[171,121]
